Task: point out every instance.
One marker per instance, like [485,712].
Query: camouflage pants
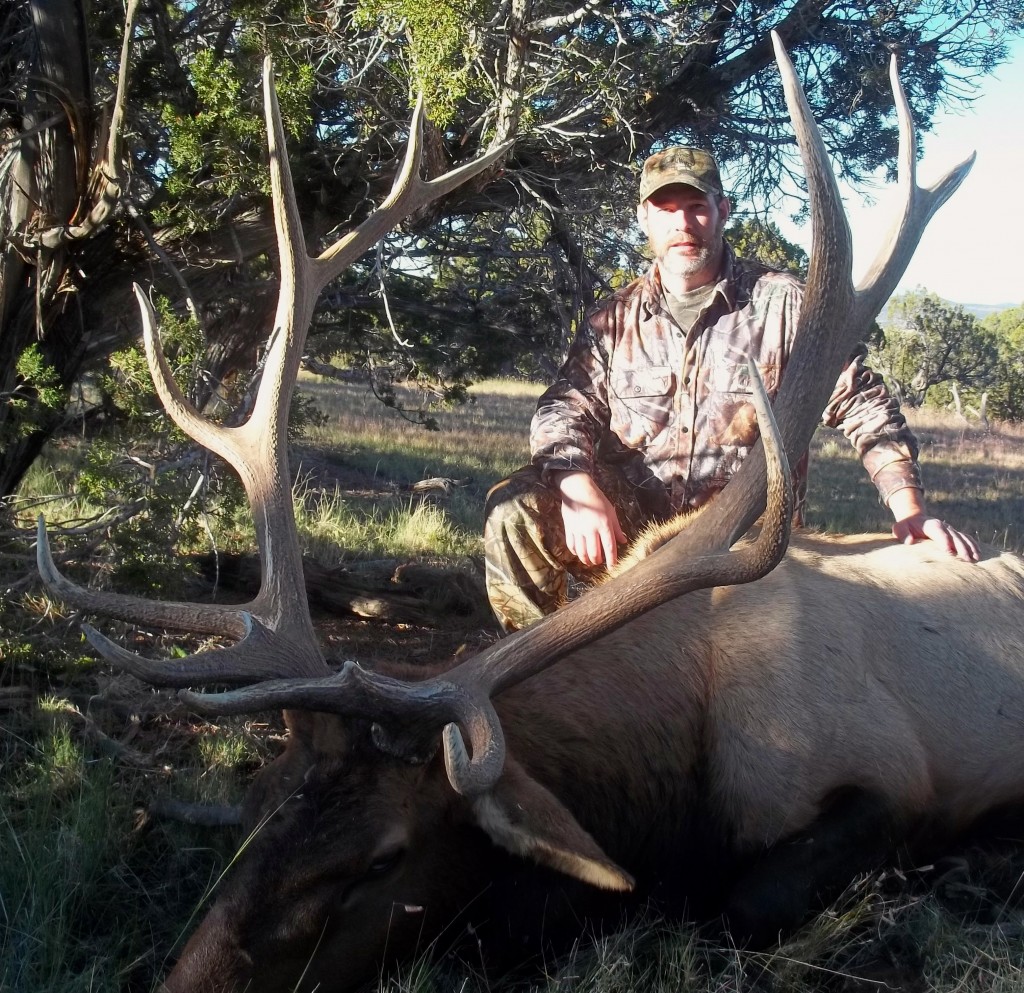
[526,563]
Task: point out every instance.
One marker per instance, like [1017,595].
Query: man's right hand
[592,531]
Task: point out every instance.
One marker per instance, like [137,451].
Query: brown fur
[861,683]
[653,536]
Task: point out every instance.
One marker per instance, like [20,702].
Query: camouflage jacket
[673,408]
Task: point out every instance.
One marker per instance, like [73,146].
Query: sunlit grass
[225,751]
[973,478]
[91,902]
[333,528]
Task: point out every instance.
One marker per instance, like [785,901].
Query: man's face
[684,227]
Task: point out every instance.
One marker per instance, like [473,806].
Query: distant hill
[979,310]
[984,309]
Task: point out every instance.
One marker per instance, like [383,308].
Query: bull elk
[743,749]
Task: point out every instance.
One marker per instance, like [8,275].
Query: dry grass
[482,440]
[93,893]
[974,478]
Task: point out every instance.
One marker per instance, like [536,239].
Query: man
[650,414]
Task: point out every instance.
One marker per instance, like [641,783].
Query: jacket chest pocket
[641,403]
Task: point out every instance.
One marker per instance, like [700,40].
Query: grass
[333,525]
[81,907]
[973,478]
[94,892]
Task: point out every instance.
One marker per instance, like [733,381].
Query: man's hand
[919,527]
[913,524]
[592,530]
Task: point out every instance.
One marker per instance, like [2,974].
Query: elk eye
[385,862]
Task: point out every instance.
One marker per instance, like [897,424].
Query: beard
[704,255]
[690,265]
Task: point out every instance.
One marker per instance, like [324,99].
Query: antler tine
[417,710]
[908,224]
[409,193]
[252,657]
[256,656]
[302,279]
[200,618]
[212,436]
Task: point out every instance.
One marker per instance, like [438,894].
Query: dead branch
[198,814]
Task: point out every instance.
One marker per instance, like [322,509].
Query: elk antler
[276,633]
[833,318]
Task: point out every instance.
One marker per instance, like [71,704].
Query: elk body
[745,750]
[738,749]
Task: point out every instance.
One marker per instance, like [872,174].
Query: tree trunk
[43,189]
[957,403]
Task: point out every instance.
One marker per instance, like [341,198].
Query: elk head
[361,795]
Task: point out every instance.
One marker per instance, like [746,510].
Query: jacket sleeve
[869,415]
[572,414]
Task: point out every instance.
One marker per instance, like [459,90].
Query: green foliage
[304,416]
[143,550]
[443,46]
[37,374]
[147,463]
[222,145]
[474,317]
[127,385]
[929,344]
[38,390]
[758,239]
[1006,397]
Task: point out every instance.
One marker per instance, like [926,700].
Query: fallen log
[408,593]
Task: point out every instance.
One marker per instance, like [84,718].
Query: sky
[971,251]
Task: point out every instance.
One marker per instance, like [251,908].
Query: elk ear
[523,817]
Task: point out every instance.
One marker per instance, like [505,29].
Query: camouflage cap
[680,164]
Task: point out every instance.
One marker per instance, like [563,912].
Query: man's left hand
[921,527]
